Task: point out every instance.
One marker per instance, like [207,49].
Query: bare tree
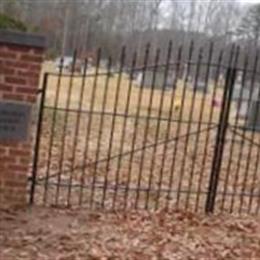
[89,24]
[250,25]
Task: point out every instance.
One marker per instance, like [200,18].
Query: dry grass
[122,92]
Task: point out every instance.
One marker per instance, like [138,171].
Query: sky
[250,1]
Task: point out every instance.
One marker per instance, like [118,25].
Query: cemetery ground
[54,234]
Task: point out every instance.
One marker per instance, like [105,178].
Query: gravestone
[200,86]
[156,79]
[253,119]
[245,94]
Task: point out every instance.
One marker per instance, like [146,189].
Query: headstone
[200,86]
[253,119]
[156,80]
[244,98]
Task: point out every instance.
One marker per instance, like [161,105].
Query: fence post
[220,139]
[38,139]
[21,57]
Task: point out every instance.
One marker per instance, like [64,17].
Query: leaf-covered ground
[38,234]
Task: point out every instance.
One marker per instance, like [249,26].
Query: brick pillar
[21,57]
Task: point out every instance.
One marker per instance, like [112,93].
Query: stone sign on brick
[14,121]
[21,56]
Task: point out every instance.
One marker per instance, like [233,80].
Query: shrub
[7,22]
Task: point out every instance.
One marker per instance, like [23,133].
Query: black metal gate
[161,130]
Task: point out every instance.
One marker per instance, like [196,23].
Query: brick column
[21,57]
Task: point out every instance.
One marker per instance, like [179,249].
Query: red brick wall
[20,68]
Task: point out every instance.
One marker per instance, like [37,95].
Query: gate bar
[220,140]
[38,138]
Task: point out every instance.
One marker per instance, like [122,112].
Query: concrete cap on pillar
[22,38]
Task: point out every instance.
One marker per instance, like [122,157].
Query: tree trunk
[65,32]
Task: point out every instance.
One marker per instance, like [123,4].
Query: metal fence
[171,132]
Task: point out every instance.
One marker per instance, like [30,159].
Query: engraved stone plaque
[14,121]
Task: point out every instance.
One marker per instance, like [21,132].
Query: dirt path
[38,234]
